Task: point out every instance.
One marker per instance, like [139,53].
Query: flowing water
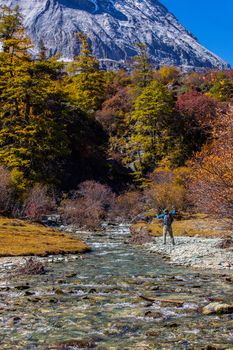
[97,299]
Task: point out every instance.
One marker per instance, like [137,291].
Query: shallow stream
[96,298]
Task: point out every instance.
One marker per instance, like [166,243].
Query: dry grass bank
[195,225]
[20,238]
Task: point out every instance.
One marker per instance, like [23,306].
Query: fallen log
[172,301]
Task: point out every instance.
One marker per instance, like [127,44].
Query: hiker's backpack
[168,219]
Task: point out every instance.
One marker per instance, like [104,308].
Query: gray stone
[217,308]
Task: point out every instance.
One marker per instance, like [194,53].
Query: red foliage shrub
[38,202]
[89,205]
[95,192]
[127,206]
[32,267]
[197,105]
[140,236]
[211,189]
[111,116]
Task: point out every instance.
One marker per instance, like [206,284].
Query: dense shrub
[32,267]
[37,203]
[167,74]
[168,188]
[167,195]
[211,188]
[128,206]
[88,206]
[198,106]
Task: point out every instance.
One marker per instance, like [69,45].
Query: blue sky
[211,21]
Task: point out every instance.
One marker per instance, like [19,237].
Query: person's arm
[174,212]
[161,216]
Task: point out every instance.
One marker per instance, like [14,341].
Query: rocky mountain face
[114,28]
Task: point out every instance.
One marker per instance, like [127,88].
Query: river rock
[53,300]
[153,314]
[153,333]
[92,291]
[217,308]
[171,325]
[59,291]
[13,321]
[34,299]
[22,287]
[28,293]
[74,343]
[70,275]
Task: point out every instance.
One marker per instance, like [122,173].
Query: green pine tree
[149,128]
[33,138]
[86,83]
[143,73]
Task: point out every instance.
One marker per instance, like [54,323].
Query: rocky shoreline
[12,263]
[118,296]
[195,252]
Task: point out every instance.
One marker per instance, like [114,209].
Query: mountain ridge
[114,28]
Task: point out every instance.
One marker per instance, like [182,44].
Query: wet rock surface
[95,301]
[217,308]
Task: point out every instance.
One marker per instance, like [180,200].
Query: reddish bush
[128,205]
[111,116]
[211,188]
[89,205]
[32,267]
[95,192]
[197,105]
[140,236]
[38,202]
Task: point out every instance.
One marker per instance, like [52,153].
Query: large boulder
[217,308]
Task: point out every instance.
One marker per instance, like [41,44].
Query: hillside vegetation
[109,144]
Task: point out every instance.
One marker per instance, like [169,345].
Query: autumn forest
[75,136]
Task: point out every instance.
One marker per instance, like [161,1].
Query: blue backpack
[168,219]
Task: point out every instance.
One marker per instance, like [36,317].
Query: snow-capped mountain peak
[114,28]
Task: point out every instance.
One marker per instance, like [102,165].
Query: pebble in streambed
[97,302]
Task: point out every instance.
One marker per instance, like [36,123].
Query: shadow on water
[96,298]
[95,7]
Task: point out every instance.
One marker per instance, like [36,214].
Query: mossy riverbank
[20,238]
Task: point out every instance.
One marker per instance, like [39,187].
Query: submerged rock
[22,287]
[32,266]
[217,308]
[73,343]
[13,321]
[153,333]
[153,314]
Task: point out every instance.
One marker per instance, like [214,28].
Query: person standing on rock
[167,218]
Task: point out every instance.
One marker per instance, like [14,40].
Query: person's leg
[164,234]
[171,234]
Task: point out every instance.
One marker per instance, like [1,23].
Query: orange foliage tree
[212,180]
